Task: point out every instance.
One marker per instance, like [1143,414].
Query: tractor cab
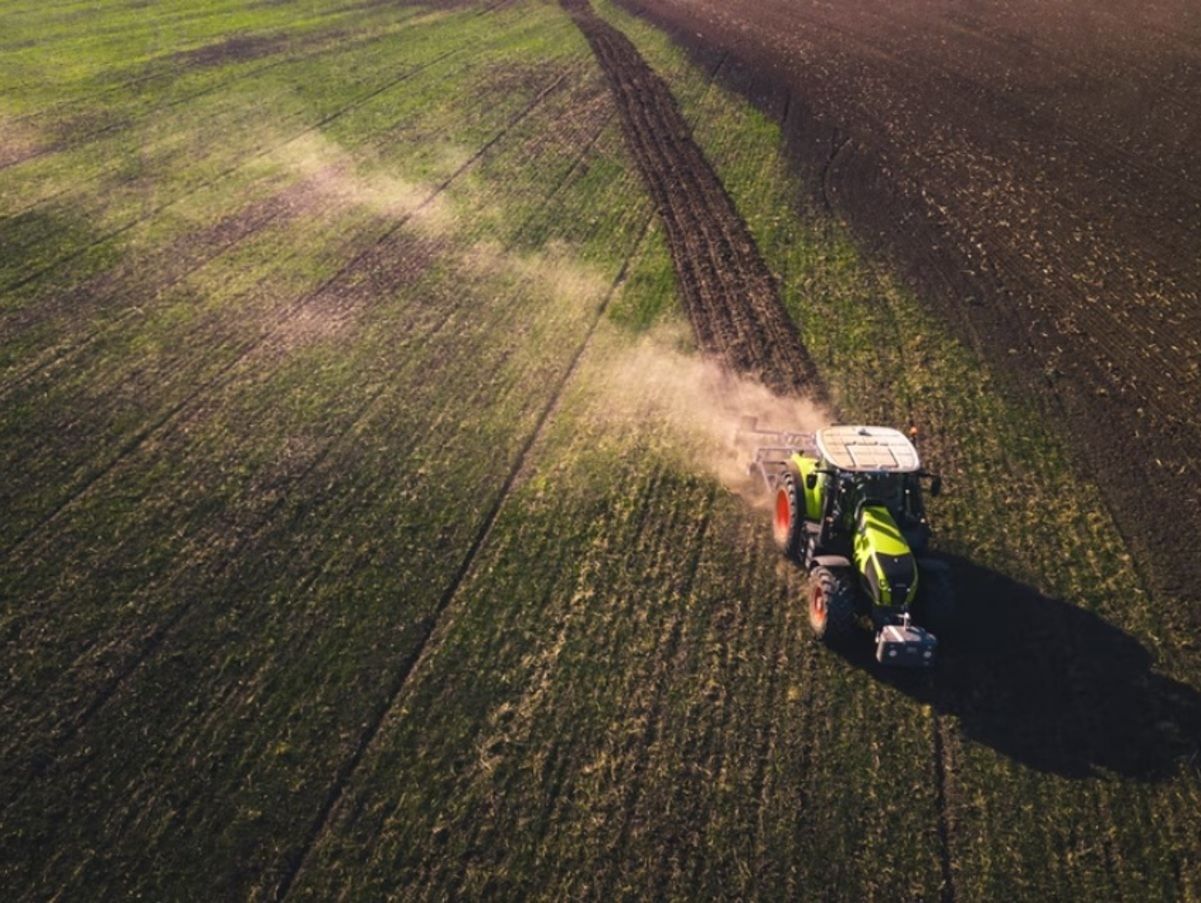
[863,467]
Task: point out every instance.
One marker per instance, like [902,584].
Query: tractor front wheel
[831,604]
[788,517]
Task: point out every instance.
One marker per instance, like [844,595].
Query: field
[369,526]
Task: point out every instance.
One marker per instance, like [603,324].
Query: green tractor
[847,505]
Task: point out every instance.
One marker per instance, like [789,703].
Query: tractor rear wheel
[831,604]
[788,516]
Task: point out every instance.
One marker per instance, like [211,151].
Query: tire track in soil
[945,860]
[294,863]
[728,293]
[228,372]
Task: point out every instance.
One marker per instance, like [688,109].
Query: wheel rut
[728,293]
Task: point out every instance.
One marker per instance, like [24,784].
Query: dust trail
[337,178]
[692,407]
[554,270]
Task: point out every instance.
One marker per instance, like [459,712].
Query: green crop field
[367,529]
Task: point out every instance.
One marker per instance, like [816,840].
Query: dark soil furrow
[727,291]
[706,249]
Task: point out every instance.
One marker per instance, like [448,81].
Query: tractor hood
[883,558]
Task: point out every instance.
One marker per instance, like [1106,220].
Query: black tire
[788,516]
[831,604]
[936,602]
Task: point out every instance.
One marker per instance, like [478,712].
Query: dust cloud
[337,178]
[553,270]
[696,407]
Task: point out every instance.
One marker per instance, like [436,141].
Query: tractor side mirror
[811,482]
[936,486]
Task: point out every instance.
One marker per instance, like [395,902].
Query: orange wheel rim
[783,515]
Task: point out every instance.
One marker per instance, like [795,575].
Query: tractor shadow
[1050,685]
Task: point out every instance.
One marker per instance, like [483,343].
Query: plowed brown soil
[727,290]
[1034,170]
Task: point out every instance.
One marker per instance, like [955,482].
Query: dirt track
[1034,171]
[727,291]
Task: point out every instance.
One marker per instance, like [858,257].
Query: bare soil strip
[727,291]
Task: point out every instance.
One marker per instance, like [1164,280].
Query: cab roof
[867,449]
